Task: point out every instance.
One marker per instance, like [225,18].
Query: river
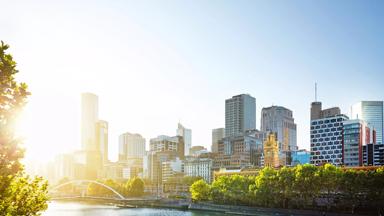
[82,209]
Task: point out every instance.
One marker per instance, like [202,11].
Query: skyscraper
[372,113]
[89,117]
[102,139]
[280,120]
[240,114]
[326,135]
[187,136]
[217,135]
[131,146]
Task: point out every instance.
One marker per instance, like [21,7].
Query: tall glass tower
[372,113]
[89,117]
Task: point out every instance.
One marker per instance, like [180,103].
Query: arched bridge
[83,192]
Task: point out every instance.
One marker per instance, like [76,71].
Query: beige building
[271,151]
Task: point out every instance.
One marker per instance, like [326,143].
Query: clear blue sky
[154,63]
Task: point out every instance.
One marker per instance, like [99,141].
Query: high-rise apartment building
[89,117]
[217,135]
[187,137]
[240,114]
[280,120]
[326,135]
[102,139]
[372,113]
[356,134]
[131,146]
[165,143]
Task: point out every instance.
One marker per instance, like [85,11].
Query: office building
[217,135]
[197,166]
[271,151]
[89,117]
[373,154]
[240,115]
[102,139]
[356,134]
[167,143]
[237,152]
[372,113]
[326,135]
[280,120]
[171,168]
[187,137]
[131,146]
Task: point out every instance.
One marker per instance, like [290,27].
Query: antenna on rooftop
[315,91]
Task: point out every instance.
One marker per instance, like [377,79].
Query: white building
[89,117]
[327,140]
[199,167]
[187,136]
[131,146]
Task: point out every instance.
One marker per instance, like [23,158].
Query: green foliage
[298,187]
[135,187]
[200,190]
[19,194]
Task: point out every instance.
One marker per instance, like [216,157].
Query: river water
[81,209]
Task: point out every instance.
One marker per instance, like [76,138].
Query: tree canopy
[19,194]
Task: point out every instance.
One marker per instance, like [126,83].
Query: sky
[156,63]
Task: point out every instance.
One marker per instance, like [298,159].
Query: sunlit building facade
[89,117]
[217,135]
[271,151]
[102,139]
[187,137]
[131,146]
[280,120]
[372,113]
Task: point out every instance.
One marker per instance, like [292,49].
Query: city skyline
[147,59]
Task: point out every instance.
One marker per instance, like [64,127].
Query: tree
[135,187]
[200,191]
[307,184]
[329,177]
[266,187]
[285,183]
[19,194]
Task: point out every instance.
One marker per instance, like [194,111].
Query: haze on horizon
[155,63]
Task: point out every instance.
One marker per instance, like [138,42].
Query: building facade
[196,166]
[89,117]
[372,113]
[327,140]
[187,137]
[217,135]
[300,157]
[326,135]
[240,114]
[271,151]
[280,120]
[242,151]
[356,133]
[373,154]
[131,146]
[102,139]
[167,143]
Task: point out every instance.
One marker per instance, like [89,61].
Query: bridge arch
[89,182]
